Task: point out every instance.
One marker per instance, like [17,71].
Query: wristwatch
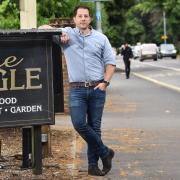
[106,82]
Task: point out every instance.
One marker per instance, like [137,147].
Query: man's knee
[79,127]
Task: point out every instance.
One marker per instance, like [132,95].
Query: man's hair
[82,7]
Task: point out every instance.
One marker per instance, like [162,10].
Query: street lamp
[98,16]
[164,26]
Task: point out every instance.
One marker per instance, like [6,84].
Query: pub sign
[26,80]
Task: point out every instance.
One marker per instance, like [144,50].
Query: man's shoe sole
[92,174]
[95,171]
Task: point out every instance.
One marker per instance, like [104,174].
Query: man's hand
[101,86]
[45,26]
[64,38]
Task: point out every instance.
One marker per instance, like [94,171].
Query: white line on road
[160,66]
[176,88]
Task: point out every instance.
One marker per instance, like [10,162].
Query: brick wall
[63,22]
[65,84]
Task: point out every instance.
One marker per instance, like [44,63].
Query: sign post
[26,87]
[37,150]
[164,27]
[98,16]
[26,147]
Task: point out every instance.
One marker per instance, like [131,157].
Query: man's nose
[83,17]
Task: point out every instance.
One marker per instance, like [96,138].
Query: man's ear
[74,19]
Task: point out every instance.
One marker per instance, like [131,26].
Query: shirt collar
[80,33]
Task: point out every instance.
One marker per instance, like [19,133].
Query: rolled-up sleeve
[108,55]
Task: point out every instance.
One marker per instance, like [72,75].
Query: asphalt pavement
[141,124]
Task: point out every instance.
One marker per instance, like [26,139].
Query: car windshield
[147,47]
[167,46]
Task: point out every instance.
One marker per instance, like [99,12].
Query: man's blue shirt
[87,55]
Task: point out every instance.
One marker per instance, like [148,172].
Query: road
[153,90]
[165,72]
[141,122]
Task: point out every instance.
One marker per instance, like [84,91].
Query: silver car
[167,50]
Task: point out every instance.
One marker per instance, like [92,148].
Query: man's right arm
[64,38]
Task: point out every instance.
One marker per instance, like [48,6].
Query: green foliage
[9,14]
[173,13]
[122,20]
[142,20]
[50,9]
[117,31]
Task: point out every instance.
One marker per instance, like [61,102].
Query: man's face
[82,19]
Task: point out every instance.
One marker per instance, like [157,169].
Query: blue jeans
[86,108]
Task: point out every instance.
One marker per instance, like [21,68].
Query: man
[126,52]
[91,64]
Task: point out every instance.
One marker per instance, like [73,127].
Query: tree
[150,15]
[117,10]
[142,20]
[122,20]
[9,14]
[49,9]
[172,9]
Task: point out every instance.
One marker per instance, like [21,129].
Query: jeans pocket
[103,91]
[100,96]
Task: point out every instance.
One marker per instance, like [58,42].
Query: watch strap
[106,82]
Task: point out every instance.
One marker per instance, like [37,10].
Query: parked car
[167,50]
[136,51]
[114,51]
[149,51]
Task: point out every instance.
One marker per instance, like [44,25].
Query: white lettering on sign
[25,109]
[11,61]
[9,77]
[0,110]
[12,100]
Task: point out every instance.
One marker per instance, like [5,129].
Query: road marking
[160,66]
[165,74]
[171,68]
[176,88]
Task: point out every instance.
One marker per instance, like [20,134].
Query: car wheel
[155,59]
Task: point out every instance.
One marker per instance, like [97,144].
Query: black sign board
[26,77]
